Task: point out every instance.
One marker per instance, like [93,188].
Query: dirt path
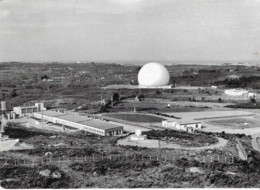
[148,143]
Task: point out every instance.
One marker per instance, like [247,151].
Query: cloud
[4,13]
[126,1]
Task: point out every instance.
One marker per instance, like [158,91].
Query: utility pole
[42,119]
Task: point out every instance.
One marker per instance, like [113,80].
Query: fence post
[150,158]
[142,157]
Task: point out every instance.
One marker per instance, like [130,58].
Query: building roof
[74,117]
[183,121]
[99,124]
[25,106]
[51,113]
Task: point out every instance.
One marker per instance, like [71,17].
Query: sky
[129,30]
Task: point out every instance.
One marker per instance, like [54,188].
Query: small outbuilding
[188,126]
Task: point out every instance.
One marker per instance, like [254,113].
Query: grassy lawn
[143,118]
[238,123]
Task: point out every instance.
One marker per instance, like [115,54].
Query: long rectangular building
[85,123]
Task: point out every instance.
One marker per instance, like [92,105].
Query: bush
[103,166]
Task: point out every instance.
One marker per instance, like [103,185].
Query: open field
[211,114]
[136,117]
[238,123]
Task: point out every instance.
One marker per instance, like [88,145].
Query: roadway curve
[148,143]
[255,144]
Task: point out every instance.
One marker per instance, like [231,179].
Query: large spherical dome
[153,74]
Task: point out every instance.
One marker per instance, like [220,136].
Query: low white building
[80,122]
[188,126]
[25,110]
[235,92]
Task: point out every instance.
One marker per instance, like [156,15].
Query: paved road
[148,143]
[255,144]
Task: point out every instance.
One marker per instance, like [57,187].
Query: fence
[94,158]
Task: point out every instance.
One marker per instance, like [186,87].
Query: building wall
[90,129]
[169,124]
[180,126]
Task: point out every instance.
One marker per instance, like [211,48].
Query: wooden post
[150,158]
[142,157]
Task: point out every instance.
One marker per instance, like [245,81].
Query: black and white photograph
[129,94]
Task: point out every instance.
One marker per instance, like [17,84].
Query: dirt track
[156,144]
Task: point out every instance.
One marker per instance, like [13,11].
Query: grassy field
[238,123]
[138,117]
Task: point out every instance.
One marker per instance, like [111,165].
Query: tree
[158,92]
[115,97]
[103,109]
[252,100]
[13,93]
[44,77]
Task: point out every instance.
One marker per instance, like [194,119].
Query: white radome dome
[153,74]
[138,132]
